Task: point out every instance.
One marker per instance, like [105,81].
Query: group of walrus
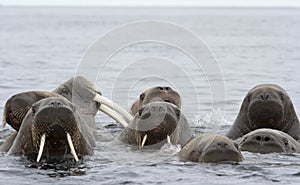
[59,125]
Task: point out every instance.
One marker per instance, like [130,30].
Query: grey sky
[273,3]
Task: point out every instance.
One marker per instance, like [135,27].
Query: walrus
[266,106]
[52,131]
[166,94]
[88,99]
[155,124]
[211,148]
[81,92]
[18,105]
[268,141]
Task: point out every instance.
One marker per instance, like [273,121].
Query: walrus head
[165,94]
[156,123]
[56,132]
[266,106]
[80,92]
[268,141]
[17,106]
[211,148]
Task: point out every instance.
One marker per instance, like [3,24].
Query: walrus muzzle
[156,124]
[55,132]
[265,114]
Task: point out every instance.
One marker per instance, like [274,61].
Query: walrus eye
[285,141]
[141,111]
[142,96]
[236,145]
[64,90]
[178,113]
[33,110]
[281,95]
[248,99]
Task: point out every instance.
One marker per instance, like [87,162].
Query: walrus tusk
[105,101]
[73,152]
[42,144]
[168,139]
[144,141]
[113,115]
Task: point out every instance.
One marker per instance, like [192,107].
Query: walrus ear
[142,96]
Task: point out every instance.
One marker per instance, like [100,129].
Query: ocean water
[43,47]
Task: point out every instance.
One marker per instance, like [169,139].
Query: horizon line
[152,6]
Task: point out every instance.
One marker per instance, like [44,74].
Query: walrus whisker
[103,100]
[144,141]
[111,113]
[73,152]
[42,144]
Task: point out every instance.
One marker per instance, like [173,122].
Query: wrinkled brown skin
[268,141]
[266,106]
[211,148]
[157,120]
[166,94]
[44,117]
[18,105]
[78,90]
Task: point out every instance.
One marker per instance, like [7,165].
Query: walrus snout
[265,112]
[221,151]
[265,96]
[211,148]
[156,122]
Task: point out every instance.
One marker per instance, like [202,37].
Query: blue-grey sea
[41,47]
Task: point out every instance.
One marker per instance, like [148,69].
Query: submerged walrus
[155,124]
[266,106]
[166,94]
[211,148]
[268,141]
[52,131]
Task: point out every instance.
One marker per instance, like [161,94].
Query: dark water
[42,47]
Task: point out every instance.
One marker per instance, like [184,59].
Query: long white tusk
[113,115]
[105,101]
[73,152]
[42,144]
[168,139]
[144,140]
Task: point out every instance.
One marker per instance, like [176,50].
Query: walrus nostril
[222,144]
[169,101]
[55,104]
[267,139]
[265,96]
[258,138]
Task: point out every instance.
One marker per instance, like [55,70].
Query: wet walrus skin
[157,120]
[55,119]
[18,105]
[77,90]
[81,92]
[266,106]
[211,148]
[268,141]
[166,94]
